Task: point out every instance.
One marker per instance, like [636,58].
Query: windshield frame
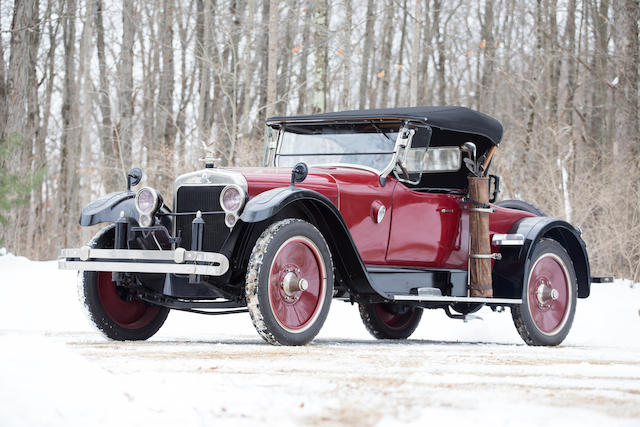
[403,140]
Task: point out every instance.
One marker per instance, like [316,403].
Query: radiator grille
[201,198]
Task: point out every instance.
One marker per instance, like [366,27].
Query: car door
[428,229]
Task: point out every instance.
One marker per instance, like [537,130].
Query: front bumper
[179,261]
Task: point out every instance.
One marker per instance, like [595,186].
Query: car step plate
[436,298]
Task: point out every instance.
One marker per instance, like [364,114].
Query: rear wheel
[548,296]
[389,320]
[110,308]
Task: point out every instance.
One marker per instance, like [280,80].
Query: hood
[326,180]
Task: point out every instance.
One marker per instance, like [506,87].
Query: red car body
[419,229]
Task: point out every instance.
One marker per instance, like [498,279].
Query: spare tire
[520,205]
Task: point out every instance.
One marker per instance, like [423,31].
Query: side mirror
[299,173]
[133,178]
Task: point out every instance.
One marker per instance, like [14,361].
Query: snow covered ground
[199,370]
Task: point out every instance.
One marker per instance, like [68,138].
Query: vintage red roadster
[389,209]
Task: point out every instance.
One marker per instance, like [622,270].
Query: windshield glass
[368,145]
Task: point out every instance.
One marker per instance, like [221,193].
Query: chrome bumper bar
[179,261]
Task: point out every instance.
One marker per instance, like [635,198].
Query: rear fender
[508,273]
[321,212]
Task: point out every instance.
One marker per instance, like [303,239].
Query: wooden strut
[480,283]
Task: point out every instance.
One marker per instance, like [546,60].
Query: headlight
[232,198]
[148,201]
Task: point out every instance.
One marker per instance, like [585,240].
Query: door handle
[446,210]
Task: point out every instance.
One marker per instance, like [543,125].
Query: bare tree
[272,59]
[321,30]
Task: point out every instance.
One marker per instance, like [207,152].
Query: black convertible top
[458,119]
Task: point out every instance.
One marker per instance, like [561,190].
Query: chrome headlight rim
[243,197]
[146,217]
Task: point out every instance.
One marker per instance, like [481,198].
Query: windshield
[369,145]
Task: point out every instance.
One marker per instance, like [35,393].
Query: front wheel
[114,314]
[289,283]
[389,320]
[549,296]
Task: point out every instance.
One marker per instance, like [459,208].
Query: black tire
[520,205]
[390,320]
[547,321]
[114,317]
[289,251]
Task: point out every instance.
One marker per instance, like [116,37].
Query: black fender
[108,207]
[321,212]
[508,273]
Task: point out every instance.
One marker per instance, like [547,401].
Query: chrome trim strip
[507,240]
[429,298]
[139,267]
[496,256]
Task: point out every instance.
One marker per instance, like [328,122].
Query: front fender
[509,272]
[107,208]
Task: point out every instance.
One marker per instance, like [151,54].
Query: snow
[198,370]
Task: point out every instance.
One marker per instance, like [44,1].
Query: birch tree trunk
[321,58]
[366,54]
[627,139]
[415,55]
[347,61]
[123,143]
[68,176]
[302,77]
[165,125]
[110,169]
[400,65]
[272,58]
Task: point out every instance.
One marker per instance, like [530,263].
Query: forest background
[90,88]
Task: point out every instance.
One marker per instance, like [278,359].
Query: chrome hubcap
[545,293]
[292,284]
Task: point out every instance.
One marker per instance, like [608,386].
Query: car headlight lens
[232,198]
[148,201]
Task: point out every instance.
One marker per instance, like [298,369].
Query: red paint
[415,230]
[427,230]
[549,317]
[126,314]
[299,310]
[395,321]
[352,190]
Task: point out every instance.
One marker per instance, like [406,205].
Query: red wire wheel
[549,296]
[289,282]
[296,309]
[126,314]
[390,320]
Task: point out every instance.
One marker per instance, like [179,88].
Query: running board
[434,298]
